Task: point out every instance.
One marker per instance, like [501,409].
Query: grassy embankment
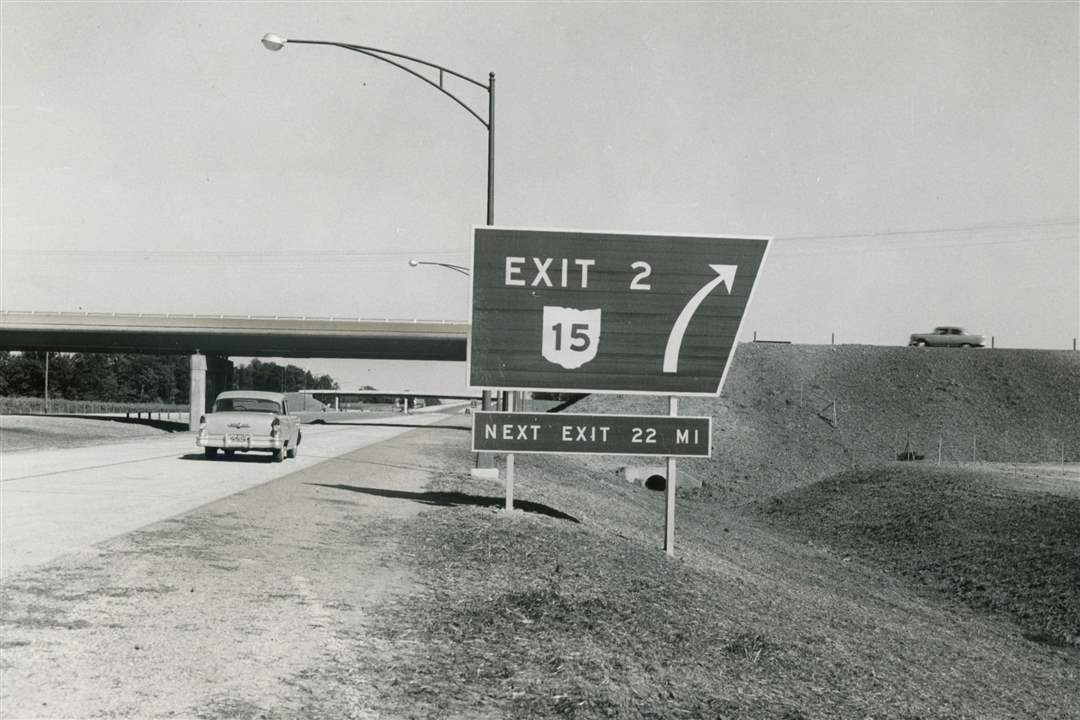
[815,577]
[782,614]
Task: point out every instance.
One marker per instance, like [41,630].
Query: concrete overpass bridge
[211,339]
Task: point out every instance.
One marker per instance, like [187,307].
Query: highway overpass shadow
[455,499]
[436,426]
[166,425]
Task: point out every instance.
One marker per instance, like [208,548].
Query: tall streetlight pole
[276,42]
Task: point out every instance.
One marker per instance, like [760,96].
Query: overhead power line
[934,231]
[918,237]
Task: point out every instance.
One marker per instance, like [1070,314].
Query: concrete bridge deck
[258,336]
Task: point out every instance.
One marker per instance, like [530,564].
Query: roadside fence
[956,448]
[940,443]
[62,406]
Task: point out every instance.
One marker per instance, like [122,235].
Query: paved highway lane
[54,502]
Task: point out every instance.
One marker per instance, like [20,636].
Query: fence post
[832,339]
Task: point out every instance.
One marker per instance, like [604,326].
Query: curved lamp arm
[450,266]
[276,42]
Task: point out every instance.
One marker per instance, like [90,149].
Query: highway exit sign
[524,432]
[578,311]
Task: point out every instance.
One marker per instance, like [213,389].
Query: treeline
[105,377]
[259,375]
[109,377]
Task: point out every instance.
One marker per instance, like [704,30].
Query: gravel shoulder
[238,607]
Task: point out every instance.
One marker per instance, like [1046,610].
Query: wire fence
[943,448]
[940,441]
[63,406]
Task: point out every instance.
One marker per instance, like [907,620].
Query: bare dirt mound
[793,414]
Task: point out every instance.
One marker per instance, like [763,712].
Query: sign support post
[510,398]
[669,491]
[510,481]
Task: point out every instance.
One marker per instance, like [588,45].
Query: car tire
[291,452]
[279,455]
[210,452]
[920,343]
[229,453]
[966,345]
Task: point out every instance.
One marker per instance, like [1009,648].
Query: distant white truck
[947,336]
[246,420]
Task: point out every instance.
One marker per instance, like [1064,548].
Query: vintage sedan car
[250,420]
[947,336]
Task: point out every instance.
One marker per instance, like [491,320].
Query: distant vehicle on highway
[247,420]
[947,336]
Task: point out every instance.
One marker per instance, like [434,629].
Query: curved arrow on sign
[724,274]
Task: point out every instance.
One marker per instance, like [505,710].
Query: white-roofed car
[250,420]
[947,336]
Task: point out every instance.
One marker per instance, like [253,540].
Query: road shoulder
[255,603]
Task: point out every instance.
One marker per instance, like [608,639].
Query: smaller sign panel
[514,432]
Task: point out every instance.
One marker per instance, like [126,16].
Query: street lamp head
[414,263]
[273,42]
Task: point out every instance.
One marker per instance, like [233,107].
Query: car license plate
[239,438]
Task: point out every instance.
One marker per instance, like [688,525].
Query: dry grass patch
[526,615]
[974,536]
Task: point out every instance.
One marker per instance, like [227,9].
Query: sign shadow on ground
[454,499]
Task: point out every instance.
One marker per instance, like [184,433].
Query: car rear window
[247,405]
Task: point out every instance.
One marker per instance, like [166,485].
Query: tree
[260,375]
[135,378]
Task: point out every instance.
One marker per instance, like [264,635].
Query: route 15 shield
[571,337]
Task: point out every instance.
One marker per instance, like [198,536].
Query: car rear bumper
[231,442]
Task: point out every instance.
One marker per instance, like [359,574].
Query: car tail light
[202,422]
[275,427]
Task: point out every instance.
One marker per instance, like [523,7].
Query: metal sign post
[669,491]
[510,481]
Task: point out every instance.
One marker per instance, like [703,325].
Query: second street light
[449,266]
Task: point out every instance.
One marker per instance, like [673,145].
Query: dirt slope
[773,429]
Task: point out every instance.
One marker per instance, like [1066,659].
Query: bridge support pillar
[197,395]
[210,375]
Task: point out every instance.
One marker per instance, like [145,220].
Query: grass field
[571,609]
[986,537]
[38,432]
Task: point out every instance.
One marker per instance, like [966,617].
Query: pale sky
[917,163]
